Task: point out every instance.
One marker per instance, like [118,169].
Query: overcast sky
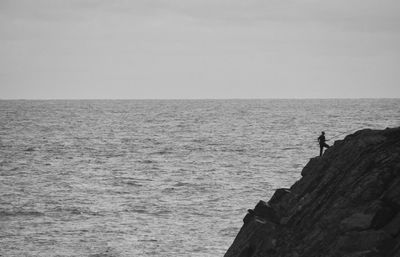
[199,49]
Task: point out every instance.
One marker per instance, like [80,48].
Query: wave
[75,211]
[183,184]
[20,213]
[147,161]
[163,152]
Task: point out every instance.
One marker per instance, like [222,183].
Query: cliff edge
[347,204]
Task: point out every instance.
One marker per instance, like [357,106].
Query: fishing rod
[338,135]
[343,133]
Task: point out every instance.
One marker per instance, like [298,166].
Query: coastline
[346,204]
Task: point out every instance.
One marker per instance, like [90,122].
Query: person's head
[323,133]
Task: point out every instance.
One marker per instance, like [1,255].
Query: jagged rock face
[347,204]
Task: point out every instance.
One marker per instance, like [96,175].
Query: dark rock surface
[347,204]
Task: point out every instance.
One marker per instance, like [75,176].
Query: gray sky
[199,49]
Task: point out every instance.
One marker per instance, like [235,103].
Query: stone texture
[347,204]
[393,227]
[264,211]
[357,221]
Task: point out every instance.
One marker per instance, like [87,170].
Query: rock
[393,192]
[362,241]
[384,214]
[247,252]
[249,216]
[278,195]
[265,211]
[357,221]
[393,227]
[282,201]
[312,166]
[253,238]
[347,204]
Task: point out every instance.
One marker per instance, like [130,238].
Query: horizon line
[194,99]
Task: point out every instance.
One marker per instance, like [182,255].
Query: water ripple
[154,178]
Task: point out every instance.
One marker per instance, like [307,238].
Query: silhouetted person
[322,144]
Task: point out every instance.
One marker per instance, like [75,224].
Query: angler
[322,143]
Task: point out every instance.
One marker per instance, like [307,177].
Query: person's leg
[321,148]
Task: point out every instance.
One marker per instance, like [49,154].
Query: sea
[116,178]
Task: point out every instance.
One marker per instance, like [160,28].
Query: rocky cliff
[347,204]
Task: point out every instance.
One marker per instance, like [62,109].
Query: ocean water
[155,177]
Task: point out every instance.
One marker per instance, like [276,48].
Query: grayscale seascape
[155,177]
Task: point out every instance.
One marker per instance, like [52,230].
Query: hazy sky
[199,48]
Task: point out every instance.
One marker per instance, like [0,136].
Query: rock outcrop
[347,204]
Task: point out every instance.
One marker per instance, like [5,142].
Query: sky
[199,49]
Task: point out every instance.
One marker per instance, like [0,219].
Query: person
[322,143]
